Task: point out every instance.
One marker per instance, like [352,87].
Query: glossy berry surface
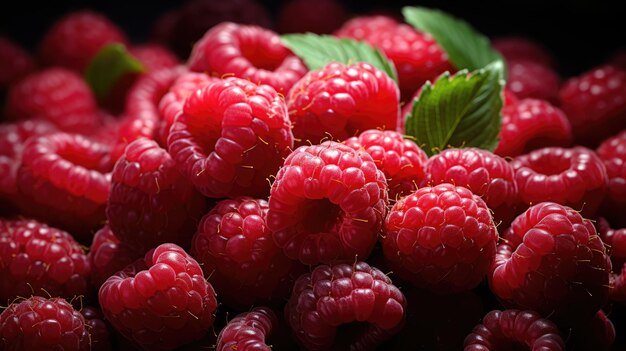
[248,331]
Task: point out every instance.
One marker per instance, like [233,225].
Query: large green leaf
[110,64]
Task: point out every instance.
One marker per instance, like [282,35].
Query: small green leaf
[466,47]
[318,50]
[110,64]
[459,111]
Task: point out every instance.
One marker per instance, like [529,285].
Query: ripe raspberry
[56,95]
[43,324]
[154,57]
[532,124]
[613,153]
[108,256]
[247,52]
[401,160]
[615,241]
[76,38]
[572,177]
[248,331]
[232,135]
[483,173]
[39,260]
[15,62]
[160,302]
[528,79]
[302,16]
[595,103]
[332,296]
[64,180]
[508,329]
[340,101]
[515,48]
[416,56]
[236,250]
[552,261]
[98,330]
[441,239]
[327,204]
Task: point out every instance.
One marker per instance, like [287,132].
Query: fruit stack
[362,182]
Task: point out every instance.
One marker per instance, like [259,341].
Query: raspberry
[416,56]
[236,249]
[56,95]
[154,57]
[532,124]
[160,302]
[510,329]
[401,160]
[15,62]
[515,48]
[332,296]
[97,328]
[43,324]
[595,104]
[615,240]
[528,79]
[108,256]
[150,202]
[302,16]
[248,331]
[64,179]
[231,136]
[441,239]
[552,261]
[327,204]
[247,52]
[40,260]
[613,153]
[340,101]
[76,38]
[485,174]
[572,177]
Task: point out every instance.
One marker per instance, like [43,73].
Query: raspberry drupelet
[615,241]
[528,79]
[248,331]
[108,256]
[612,151]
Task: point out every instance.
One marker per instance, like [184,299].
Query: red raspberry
[150,202]
[332,296]
[615,241]
[302,16]
[528,79]
[76,38]
[248,331]
[64,179]
[154,57]
[231,135]
[441,239]
[401,160]
[613,153]
[552,261]
[108,256]
[236,249]
[39,260]
[327,204]
[484,173]
[595,103]
[15,62]
[572,177]
[416,56]
[509,329]
[515,48]
[160,302]
[247,52]
[56,95]
[98,330]
[43,324]
[532,124]
[340,101]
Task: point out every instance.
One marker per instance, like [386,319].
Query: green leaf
[466,48]
[110,64]
[318,50]
[459,111]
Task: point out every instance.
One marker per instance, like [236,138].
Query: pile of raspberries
[227,197]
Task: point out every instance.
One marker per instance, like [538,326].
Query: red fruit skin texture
[532,124]
[108,256]
[615,241]
[521,48]
[160,302]
[303,16]
[150,202]
[248,331]
[15,62]
[64,180]
[56,95]
[236,250]
[613,154]
[340,101]
[327,204]
[249,52]
[231,136]
[154,57]
[483,173]
[504,330]
[552,261]
[100,338]
[401,160]
[332,296]
[40,324]
[529,79]
[76,38]
[440,238]
[595,103]
[573,177]
[39,260]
